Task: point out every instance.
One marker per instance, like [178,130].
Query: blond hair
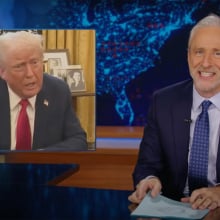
[12,40]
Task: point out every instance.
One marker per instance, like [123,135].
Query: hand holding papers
[163,207]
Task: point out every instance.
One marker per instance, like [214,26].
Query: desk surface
[35,174]
[51,202]
[31,199]
[61,203]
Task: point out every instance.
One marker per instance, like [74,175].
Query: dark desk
[61,203]
[35,174]
[31,199]
[50,202]
[25,194]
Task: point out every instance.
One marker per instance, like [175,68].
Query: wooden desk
[103,168]
[119,131]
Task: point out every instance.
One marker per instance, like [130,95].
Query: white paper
[163,207]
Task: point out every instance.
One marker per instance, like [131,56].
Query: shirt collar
[15,99]
[198,99]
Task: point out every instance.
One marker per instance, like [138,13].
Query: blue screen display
[140,45]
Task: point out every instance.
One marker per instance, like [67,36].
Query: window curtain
[81,46]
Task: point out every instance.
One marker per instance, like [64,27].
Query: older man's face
[23,70]
[204,60]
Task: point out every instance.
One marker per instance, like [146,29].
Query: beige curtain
[81,47]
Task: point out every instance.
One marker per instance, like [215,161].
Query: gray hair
[211,20]
[10,40]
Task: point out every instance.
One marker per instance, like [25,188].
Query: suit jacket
[165,144]
[56,125]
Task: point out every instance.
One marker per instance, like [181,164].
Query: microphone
[188,120]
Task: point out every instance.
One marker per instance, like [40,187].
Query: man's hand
[143,187]
[204,198]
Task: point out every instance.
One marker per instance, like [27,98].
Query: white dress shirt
[15,107]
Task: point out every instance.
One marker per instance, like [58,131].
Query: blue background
[140,45]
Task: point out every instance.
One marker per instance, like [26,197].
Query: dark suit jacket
[56,125]
[165,144]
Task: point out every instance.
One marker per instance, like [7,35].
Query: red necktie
[23,132]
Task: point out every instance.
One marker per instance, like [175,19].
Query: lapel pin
[46,103]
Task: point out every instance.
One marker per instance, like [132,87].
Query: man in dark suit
[164,155]
[53,124]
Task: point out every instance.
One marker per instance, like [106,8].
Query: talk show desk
[29,191]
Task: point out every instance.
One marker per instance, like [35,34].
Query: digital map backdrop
[140,45]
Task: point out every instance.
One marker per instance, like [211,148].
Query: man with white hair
[52,123]
[179,154]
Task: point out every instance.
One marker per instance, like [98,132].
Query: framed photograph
[59,72]
[55,58]
[53,62]
[75,79]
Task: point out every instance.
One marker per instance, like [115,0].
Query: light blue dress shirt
[214,126]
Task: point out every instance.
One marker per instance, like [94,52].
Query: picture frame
[55,58]
[59,72]
[75,79]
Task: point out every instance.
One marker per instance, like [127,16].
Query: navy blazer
[165,144]
[56,125]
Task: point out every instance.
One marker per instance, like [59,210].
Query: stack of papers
[162,207]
